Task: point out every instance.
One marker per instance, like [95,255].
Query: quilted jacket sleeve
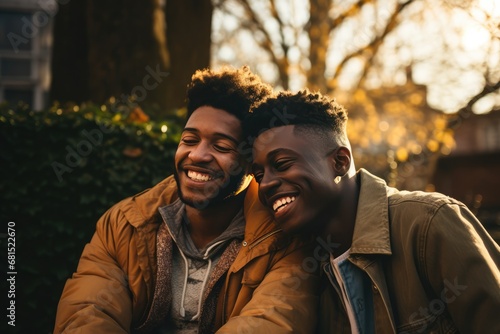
[97,299]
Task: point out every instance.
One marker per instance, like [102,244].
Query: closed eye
[189,141]
[282,164]
[257,172]
[258,176]
[189,138]
[223,149]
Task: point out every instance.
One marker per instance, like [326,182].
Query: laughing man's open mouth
[281,203]
[199,177]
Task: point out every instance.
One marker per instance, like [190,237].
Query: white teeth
[198,176]
[280,208]
[281,203]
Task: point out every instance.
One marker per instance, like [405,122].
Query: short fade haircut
[312,113]
[229,89]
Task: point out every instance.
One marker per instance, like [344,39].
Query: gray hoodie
[191,267]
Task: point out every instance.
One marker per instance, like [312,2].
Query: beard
[224,190]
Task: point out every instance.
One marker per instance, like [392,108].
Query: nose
[200,153]
[268,184]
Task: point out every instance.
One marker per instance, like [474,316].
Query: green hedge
[61,169]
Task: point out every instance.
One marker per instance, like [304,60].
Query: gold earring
[337,179]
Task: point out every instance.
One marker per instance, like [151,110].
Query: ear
[341,159]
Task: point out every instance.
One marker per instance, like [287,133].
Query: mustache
[203,168]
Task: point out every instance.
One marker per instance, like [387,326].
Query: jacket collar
[371,229]
[176,220]
[261,232]
[142,208]
[258,217]
[372,236]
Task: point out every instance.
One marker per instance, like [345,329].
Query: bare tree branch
[267,44]
[353,11]
[319,29]
[467,109]
[371,49]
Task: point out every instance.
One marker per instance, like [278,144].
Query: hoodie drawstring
[182,310]
[202,289]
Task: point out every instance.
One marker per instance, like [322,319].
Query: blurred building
[471,173]
[25,50]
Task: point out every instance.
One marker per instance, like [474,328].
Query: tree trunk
[189,25]
[319,35]
[127,55]
[103,50]
[70,64]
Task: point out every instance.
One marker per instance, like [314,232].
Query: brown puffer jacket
[112,291]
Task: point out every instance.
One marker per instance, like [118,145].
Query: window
[14,28]
[25,51]
[15,68]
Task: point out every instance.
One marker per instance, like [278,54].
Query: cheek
[232,165]
[235,170]
[316,193]
[317,182]
[180,154]
[309,180]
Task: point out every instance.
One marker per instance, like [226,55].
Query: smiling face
[295,178]
[208,167]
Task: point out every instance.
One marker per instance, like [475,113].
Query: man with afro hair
[197,252]
[396,261]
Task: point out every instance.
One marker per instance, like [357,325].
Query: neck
[207,224]
[341,225]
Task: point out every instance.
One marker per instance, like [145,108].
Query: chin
[198,203]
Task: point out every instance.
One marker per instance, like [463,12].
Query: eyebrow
[217,134]
[274,153]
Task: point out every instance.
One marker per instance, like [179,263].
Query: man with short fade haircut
[197,251]
[396,261]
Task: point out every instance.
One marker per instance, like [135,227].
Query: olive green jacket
[432,265]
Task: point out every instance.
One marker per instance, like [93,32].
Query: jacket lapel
[384,318]
[372,243]
[162,298]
